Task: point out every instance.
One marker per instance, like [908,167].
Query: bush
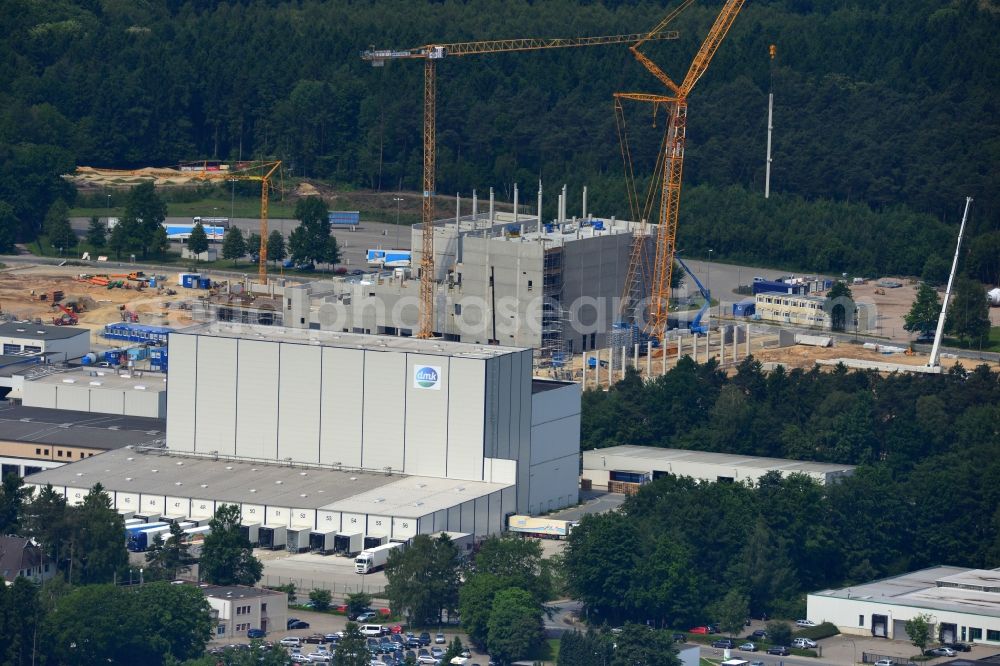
[320,599]
[779,633]
[818,632]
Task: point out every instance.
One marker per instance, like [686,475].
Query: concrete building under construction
[501,278]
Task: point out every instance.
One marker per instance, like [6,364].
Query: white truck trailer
[374,559]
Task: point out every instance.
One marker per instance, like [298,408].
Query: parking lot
[326,623]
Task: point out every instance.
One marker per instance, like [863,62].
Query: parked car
[298,624]
[426,659]
[332,638]
[678,636]
[413,642]
[756,663]
[425,638]
[298,658]
[256,633]
[320,658]
[437,652]
[749,647]
[803,643]
[440,639]
[958,647]
[699,630]
[805,623]
[290,641]
[885,662]
[364,617]
[780,650]
[724,643]
[758,634]
[315,639]
[941,652]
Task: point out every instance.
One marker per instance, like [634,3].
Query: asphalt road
[594,501]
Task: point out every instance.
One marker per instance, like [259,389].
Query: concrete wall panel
[495,513]
[385,393]
[278,515]
[466,422]
[75,496]
[73,396]
[202,508]
[427,416]
[253,513]
[403,528]
[257,410]
[379,525]
[181,392]
[303,518]
[482,516]
[153,504]
[328,520]
[178,506]
[216,395]
[298,402]
[468,517]
[342,406]
[127,501]
[108,401]
[150,404]
[353,523]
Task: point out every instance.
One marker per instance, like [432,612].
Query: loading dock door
[879,625]
[899,631]
[948,632]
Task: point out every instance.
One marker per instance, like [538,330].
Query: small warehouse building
[963,604]
[99,390]
[238,609]
[635,465]
[55,343]
[34,439]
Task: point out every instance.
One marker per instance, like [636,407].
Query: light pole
[109,205]
[709,280]
[398,200]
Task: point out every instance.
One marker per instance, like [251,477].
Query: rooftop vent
[79,473]
[95,383]
[180,462]
[204,485]
[354,478]
[139,387]
[178,483]
[278,482]
[229,466]
[114,428]
[253,490]
[154,471]
[130,459]
[69,381]
[128,478]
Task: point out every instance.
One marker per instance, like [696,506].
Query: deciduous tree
[96,233]
[920,629]
[226,555]
[969,311]
[924,313]
[352,650]
[168,558]
[197,242]
[515,625]
[233,245]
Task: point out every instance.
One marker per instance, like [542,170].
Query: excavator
[67,318]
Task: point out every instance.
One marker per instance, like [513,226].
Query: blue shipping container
[342,218]
[205,283]
[744,308]
[770,286]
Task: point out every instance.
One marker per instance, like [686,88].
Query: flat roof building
[99,390]
[33,439]
[963,603]
[638,464]
[56,343]
[239,609]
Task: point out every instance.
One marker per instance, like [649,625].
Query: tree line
[924,492]
[96,607]
[889,124]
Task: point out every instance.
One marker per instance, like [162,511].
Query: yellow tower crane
[255,171]
[430,54]
[670,163]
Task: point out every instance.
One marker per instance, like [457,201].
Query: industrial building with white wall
[962,603]
[55,343]
[99,390]
[639,464]
[378,435]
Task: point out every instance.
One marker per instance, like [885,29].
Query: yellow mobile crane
[670,162]
[430,54]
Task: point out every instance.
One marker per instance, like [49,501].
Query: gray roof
[32,331]
[160,472]
[16,554]
[651,457]
[931,589]
[237,591]
[108,378]
[348,340]
[61,427]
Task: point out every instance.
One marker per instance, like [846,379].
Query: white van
[371,630]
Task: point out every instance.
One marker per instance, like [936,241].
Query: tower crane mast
[431,54]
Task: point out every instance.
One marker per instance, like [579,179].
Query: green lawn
[993,345]
[207,207]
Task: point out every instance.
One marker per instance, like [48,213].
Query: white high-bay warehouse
[382,435]
[421,407]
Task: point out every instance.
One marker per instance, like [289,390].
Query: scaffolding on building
[554,316]
[239,309]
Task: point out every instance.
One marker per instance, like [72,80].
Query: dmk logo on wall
[427,377]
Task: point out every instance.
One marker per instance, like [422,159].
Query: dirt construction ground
[21,285]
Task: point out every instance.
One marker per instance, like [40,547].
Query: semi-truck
[374,559]
[196,533]
[297,539]
[141,541]
[540,527]
[148,517]
[350,544]
[323,542]
[139,527]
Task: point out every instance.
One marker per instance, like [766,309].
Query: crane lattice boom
[430,54]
